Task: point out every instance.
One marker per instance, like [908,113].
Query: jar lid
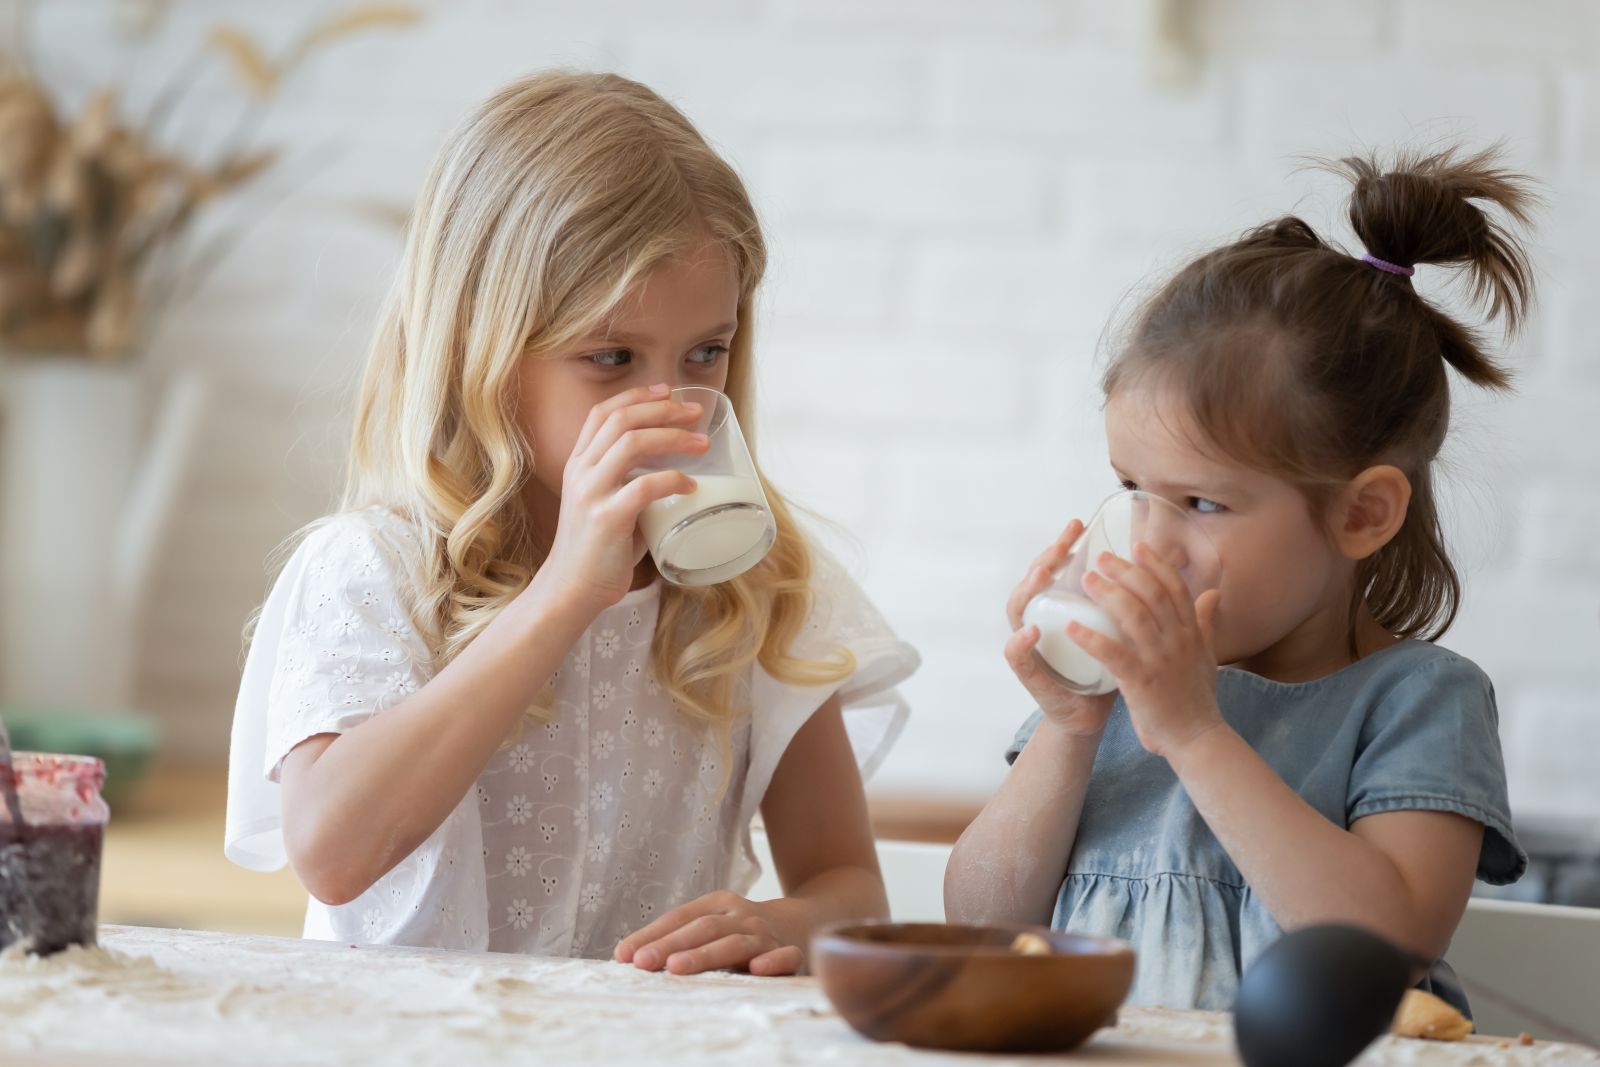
[84,775]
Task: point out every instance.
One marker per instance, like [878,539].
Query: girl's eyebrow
[623,337]
[1221,487]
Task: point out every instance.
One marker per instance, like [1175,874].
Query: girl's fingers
[629,946]
[1070,534]
[1141,583]
[1033,583]
[693,934]
[602,411]
[1019,650]
[630,451]
[786,960]
[1025,665]
[1038,577]
[733,950]
[1125,609]
[1205,611]
[656,414]
[646,490]
[1172,583]
[1056,554]
[619,515]
[1113,654]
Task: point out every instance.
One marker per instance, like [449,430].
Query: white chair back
[1541,956]
[913,874]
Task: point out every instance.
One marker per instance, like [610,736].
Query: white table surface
[184,998]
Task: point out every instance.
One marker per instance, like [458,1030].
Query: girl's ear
[1370,510]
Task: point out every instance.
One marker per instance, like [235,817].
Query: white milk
[1051,611]
[715,539]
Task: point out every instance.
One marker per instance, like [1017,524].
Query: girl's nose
[1163,532]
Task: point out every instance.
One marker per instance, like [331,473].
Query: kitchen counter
[166,997]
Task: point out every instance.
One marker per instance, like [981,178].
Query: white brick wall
[957,196]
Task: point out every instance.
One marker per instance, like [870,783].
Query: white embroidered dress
[590,824]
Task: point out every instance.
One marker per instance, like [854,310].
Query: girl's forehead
[695,290]
[1154,440]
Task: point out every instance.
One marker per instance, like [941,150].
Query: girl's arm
[1405,874]
[816,820]
[1008,865]
[355,804]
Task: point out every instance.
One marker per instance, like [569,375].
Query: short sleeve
[874,710]
[335,644]
[1432,743]
[1024,733]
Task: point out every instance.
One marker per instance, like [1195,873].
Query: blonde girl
[473,716]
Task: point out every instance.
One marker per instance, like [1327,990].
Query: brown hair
[1300,360]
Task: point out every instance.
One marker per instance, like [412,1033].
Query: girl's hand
[1164,665]
[1071,712]
[597,543]
[718,931]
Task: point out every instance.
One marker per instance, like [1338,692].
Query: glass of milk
[1124,520]
[724,527]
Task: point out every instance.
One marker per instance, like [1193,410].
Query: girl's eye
[619,357]
[1204,506]
[707,355]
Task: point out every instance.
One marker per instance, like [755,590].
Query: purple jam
[52,827]
[49,886]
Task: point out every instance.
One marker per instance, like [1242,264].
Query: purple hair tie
[1387,267]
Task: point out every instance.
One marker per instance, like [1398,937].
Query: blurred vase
[87,482]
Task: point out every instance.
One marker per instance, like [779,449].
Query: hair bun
[1449,209]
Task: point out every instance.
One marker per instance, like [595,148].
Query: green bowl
[125,741]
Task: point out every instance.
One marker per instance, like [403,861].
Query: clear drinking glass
[1124,520]
[725,526]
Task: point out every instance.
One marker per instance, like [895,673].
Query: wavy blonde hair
[542,212]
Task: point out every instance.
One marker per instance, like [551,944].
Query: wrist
[1199,747]
[792,919]
[548,601]
[548,610]
[1060,734]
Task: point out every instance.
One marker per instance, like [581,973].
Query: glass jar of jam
[52,825]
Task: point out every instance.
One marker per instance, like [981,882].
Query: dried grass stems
[93,209]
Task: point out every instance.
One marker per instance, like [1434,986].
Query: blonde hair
[542,211]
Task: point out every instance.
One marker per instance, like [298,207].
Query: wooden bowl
[962,987]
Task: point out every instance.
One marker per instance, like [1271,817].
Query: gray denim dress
[1412,727]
